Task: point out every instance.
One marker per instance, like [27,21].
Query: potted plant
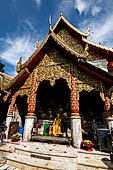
[16,137]
[87,145]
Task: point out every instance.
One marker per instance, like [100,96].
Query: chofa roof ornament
[60,11]
[19,65]
[50,23]
[37,44]
[88,31]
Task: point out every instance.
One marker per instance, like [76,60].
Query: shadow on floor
[108,163]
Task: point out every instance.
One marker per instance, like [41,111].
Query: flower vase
[87,145]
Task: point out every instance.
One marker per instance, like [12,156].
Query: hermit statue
[16,115]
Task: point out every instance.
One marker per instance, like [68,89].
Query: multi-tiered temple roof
[74,45]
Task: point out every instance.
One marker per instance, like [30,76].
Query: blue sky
[23,22]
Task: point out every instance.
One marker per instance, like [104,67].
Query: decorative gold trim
[70,25]
[97,45]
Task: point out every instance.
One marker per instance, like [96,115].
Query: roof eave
[85,35]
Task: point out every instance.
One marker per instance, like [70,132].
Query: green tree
[2,67]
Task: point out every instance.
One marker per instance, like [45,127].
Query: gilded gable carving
[92,56]
[25,89]
[70,40]
[78,46]
[54,66]
[88,82]
[28,82]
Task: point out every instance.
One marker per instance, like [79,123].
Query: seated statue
[60,109]
[41,113]
[57,126]
[50,113]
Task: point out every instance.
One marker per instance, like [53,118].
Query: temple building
[58,89]
[4,80]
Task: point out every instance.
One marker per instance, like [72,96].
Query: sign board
[13,129]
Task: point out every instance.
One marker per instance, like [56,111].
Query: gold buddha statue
[57,126]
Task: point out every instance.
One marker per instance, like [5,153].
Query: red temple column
[29,119]
[74,99]
[109,113]
[76,131]
[10,115]
[32,101]
[110,67]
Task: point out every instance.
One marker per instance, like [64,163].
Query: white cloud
[95,10]
[85,6]
[101,25]
[29,24]
[102,31]
[15,47]
[38,2]
[67,6]
[81,5]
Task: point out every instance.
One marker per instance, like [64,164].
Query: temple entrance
[22,106]
[53,108]
[53,98]
[91,108]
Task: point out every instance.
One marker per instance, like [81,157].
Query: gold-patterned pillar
[32,99]
[109,113]
[29,119]
[76,131]
[74,99]
[10,115]
[110,67]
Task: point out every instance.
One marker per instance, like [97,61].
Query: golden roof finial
[88,31]
[60,11]
[19,65]
[37,44]
[86,50]
[50,22]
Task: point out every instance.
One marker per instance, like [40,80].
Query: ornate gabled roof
[52,33]
[6,76]
[39,53]
[106,51]
[102,50]
[95,71]
[19,78]
[62,19]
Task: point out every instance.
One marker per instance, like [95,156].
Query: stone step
[8,167]
[4,167]
[51,150]
[96,155]
[25,162]
[50,154]
[94,164]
